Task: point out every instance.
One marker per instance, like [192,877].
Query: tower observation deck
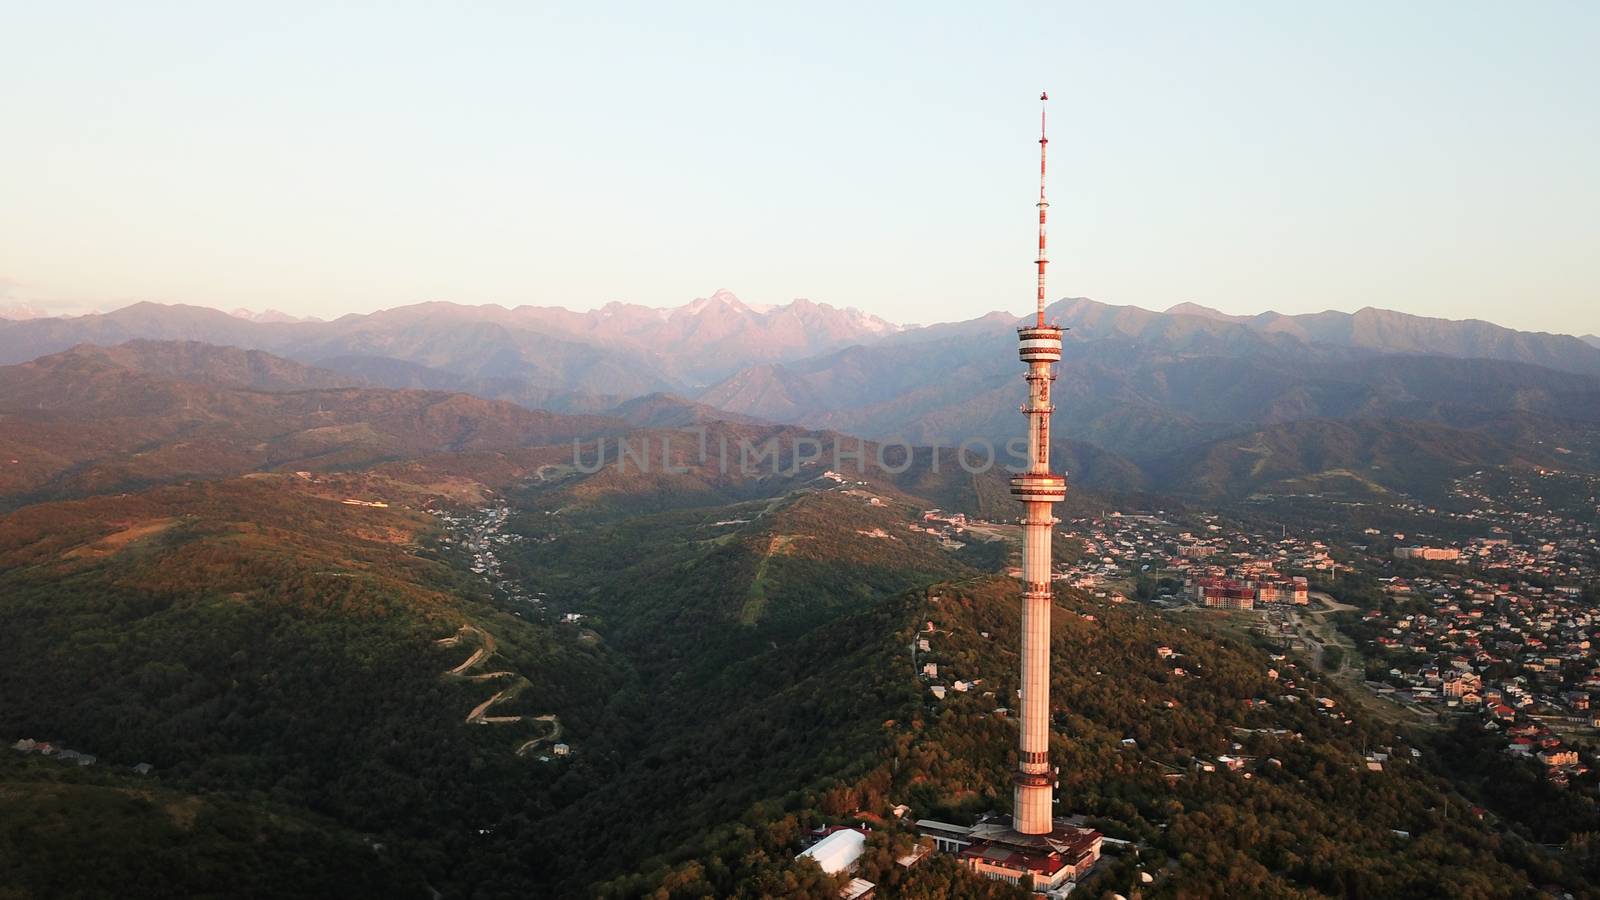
[1038,489]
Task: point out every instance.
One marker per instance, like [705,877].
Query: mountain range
[1142,397]
[688,348]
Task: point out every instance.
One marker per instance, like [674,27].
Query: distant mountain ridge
[92,420]
[619,350]
[1367,329]
[215,365]
[1142,383]
[1138,391]
[720,333]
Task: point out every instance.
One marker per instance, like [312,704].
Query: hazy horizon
[1433,159]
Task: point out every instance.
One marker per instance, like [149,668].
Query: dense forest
[746,669]
[258,643]
[1137,747]
[67,831]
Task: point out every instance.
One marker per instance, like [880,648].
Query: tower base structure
[994,849]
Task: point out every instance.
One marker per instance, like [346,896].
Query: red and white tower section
[1039,490]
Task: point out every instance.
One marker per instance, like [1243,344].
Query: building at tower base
[1049,863]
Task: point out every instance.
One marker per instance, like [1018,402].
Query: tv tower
[1038,488]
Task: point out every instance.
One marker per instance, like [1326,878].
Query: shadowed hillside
[215,365]
[81,833]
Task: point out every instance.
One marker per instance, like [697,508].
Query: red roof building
[1049,860]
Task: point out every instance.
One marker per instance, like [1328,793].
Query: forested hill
[259,638]
[93,421]
[1138,738]
[72,832]
[730,664]
[215,365]
[254,641]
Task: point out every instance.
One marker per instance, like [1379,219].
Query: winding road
[555,732]
[480,713]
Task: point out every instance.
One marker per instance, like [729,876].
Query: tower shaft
[1039,490]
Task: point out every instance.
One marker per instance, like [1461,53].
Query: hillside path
[487,646]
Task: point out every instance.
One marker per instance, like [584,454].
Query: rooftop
[838,851]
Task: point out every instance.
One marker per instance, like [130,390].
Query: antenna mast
[1043,206]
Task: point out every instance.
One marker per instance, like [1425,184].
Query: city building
[1429,553]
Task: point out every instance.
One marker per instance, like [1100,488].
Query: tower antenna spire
[1044,205]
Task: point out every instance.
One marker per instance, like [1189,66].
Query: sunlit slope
[691,582]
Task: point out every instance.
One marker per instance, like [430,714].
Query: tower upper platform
[1039,343]
[1046,487]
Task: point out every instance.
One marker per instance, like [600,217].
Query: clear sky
[1441,158]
